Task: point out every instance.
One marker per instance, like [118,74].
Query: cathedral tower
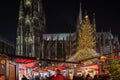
[31,26]
[79,20]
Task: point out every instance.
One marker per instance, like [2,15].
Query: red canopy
[36,70]
[52,69]
[29,65]
[21,60]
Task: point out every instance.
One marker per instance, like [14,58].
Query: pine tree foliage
[113,67]
[86,42]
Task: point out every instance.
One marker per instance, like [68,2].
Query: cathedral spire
[35,9]
[80,13]
[21,12]
[94,23]
[41,16]
[94,27]
[79,20]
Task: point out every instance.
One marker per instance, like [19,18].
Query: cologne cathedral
[32,41]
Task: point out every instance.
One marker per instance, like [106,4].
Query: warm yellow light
[53,65]
[102,58]
[86,16]
[39,64]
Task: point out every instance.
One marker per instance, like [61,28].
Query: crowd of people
[59,76]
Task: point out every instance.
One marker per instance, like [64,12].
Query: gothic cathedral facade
[31,26]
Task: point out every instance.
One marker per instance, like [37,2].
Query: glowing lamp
[102,58]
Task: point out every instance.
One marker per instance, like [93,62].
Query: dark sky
[61,16]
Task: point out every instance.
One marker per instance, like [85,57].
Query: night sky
[61,16]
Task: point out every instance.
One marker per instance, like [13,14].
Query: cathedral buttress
[19,44]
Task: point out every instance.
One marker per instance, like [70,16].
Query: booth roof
[22,60]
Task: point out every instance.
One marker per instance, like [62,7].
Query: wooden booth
[7,69]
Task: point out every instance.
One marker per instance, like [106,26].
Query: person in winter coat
[58,76]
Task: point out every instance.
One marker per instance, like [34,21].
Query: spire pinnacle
[94,22]
[21,13]
[80,13]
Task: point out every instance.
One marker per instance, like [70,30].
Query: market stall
[90,69]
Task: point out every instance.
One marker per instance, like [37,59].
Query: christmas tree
[113,67]
[86,42]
